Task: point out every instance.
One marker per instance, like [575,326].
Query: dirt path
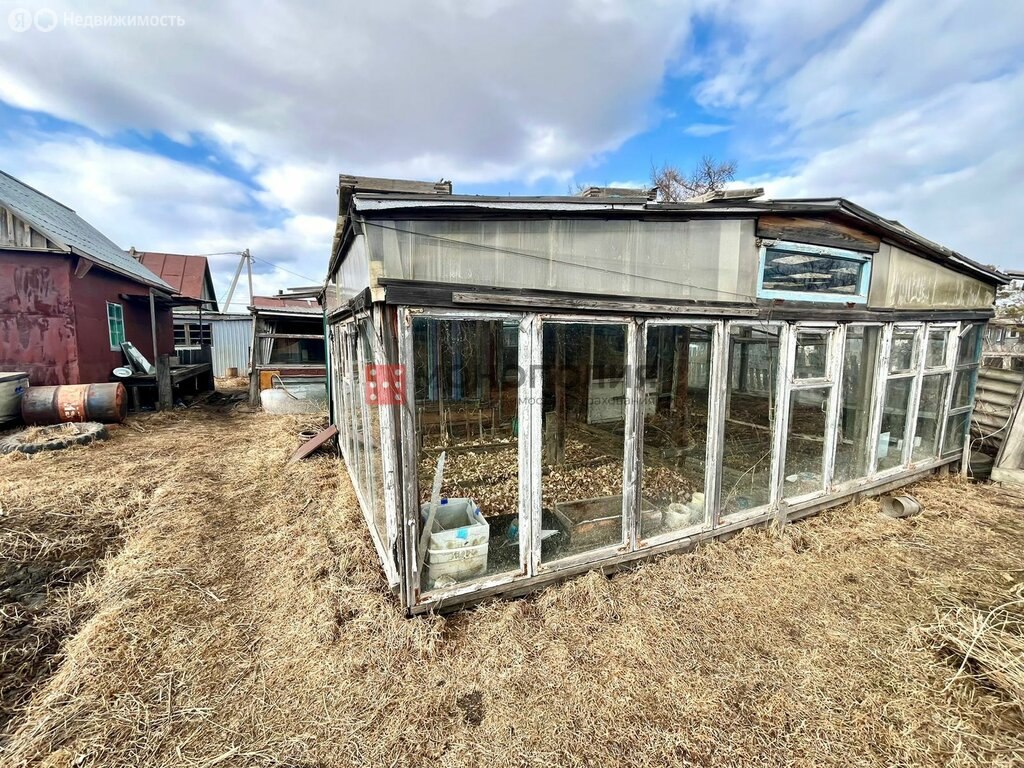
[236,615]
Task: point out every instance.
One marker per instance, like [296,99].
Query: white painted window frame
[629,463]
[956,367]
[874,406]
[763,510]
[712,436]
[530,394]
[836,336]
[410,459]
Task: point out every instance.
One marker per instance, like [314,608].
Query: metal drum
[106,403]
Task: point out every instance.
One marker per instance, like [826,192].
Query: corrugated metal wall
[231,340]
[997,393]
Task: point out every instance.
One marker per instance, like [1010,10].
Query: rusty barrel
[106,403]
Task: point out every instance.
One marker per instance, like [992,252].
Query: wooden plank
[823,232]
[82,267]
[553,302]
[165,397]
[313,443]
[377,184]
[317,336]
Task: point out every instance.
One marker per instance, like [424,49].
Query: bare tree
[675,185]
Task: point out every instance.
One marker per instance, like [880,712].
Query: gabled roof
[188,275]
[70,232]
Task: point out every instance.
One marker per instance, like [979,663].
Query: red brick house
[69,296]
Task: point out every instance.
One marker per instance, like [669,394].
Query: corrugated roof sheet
[182,272]
[287,304]
[67,228]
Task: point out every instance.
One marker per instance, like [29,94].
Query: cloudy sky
[222,127]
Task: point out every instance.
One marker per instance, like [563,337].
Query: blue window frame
[801,272]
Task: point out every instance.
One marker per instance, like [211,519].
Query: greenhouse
[528,388]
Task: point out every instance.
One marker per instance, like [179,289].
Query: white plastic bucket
[457,523]
[458,542]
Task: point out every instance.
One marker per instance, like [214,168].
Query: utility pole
[245,258]
[248,266]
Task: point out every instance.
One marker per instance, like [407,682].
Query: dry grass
[203,603]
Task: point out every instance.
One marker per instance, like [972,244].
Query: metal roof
[71,232]
[185,274]
[391,203]
[285,305]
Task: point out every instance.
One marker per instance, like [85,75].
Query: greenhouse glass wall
[500,437]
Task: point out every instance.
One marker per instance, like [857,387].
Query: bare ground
[180,596]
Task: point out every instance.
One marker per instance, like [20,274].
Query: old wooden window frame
[630,500]
[877,394]
[115,322]
[912,374]
[744,517]
[863,260]
[407,512]
[957,367]
[945,368]
[712,437]
[832,380]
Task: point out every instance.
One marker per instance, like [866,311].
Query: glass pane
[970,345]
[361,440]
[292,351]
[805,442]
[677,388]
[929,416]
[811,354]
[894,423]
[379,380]
[466,386]
[353,412]
[963,383]
[935,354]
[901,355]
[860,361]
[750,409]
[582,438]
[809,272]
[956,428]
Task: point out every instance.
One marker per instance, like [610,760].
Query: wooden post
[152,321]
[681,396]
[561,406]
[206,356]
[165,396]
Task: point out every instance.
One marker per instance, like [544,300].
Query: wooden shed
[69,296]
[530,387]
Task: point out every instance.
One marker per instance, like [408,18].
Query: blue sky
[216,127]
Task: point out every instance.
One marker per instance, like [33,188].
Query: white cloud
[156,204]
[914,109]
[703,130]
[473,91]
[516,90]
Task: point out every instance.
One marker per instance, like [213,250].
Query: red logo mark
[385,384]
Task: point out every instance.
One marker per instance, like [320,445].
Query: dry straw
[179,595]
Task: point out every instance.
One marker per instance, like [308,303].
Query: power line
[290,272]
[617,272]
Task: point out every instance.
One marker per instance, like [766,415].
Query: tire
[84,433]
